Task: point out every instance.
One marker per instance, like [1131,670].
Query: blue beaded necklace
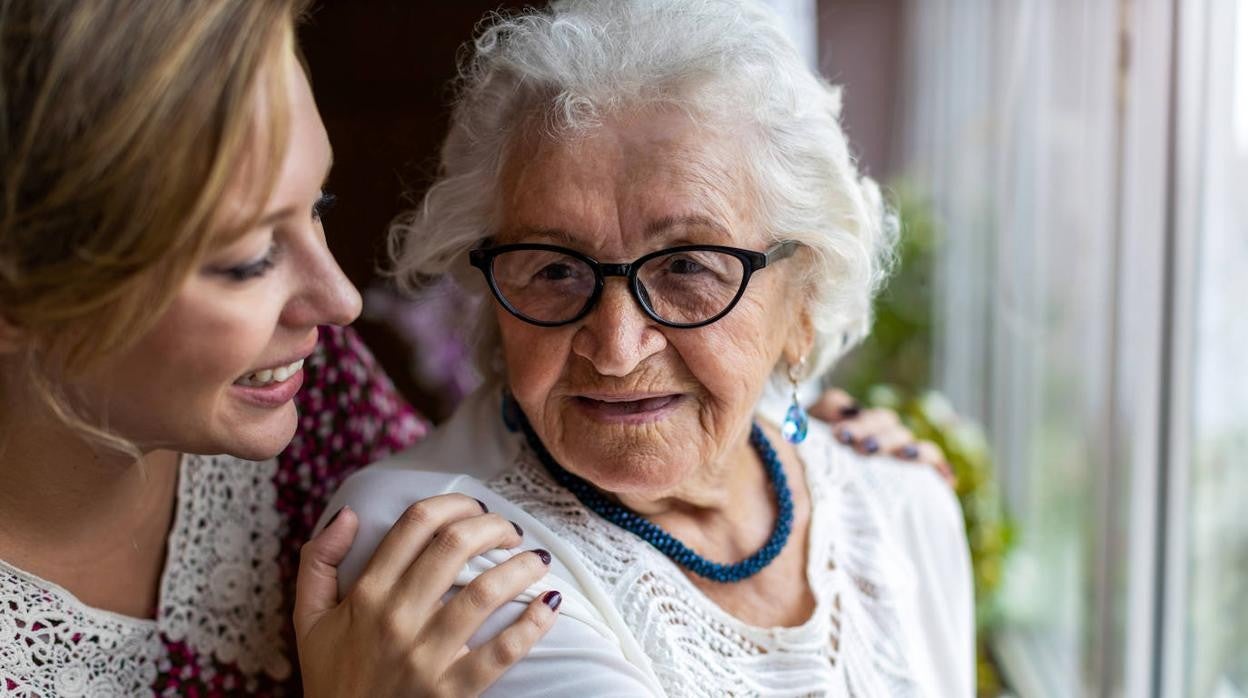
[679,553]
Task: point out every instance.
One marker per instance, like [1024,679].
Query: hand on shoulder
[391,633]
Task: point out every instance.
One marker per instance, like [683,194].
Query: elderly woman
[660,201]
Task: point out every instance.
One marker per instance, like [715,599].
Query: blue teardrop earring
[796,421]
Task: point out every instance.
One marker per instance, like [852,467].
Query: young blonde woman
[165,293]
[163,274]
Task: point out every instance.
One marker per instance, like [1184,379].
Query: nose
[617,336]
[323,295]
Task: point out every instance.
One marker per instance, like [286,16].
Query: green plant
[892,368]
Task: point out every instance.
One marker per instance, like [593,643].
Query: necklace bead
[663,541]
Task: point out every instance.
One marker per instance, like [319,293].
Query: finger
[930,454]
[453,624]
[890,440]
[316,587]
[922,452]
[866,429]
[480,668]
[411,533]
[834,405]
[433,572]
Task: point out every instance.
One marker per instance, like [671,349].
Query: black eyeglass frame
[483,258]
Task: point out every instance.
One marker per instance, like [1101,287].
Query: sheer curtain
[1087,160]
[1011,132]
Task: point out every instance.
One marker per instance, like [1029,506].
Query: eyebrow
[666,223]
[274,217]
[556,235]
[657,227]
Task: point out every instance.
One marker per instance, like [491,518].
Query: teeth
[270,375]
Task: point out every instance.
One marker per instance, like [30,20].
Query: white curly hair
[724,62]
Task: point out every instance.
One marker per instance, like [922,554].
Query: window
[1086,161]
[1208,561]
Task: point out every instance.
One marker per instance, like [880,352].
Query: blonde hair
[122,126]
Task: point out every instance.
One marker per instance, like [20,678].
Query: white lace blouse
[223,624]
[888,564]
[220,598]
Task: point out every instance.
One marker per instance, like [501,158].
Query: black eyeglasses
[685,287]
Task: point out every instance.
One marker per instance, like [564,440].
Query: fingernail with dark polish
[870,445]
[484,508]
[542,555]
[334,518]
[910,452]
[851,410]
[519,531]
[845,437]
[552,598]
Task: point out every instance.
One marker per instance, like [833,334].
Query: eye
[323,204]
[684,265]
[554,272]
[253,270]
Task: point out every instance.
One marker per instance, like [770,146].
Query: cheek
[534,357]
[206,341]
[170,385]
[210,342]
[733,357]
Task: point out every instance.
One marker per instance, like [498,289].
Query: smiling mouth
[626,407]
[269,376]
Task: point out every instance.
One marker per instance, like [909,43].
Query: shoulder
[586,653]
[459,456]
[381,493]
[920,516]
[920,513]
[918,504]
[911,499]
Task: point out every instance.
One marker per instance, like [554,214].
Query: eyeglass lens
[683,287]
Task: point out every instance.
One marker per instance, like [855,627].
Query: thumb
[316,589]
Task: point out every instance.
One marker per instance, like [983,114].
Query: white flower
[231,584]
[105,686]
[229,540]
[71,681]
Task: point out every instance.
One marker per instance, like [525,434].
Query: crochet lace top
[858,641]
[887,562]
[222,627]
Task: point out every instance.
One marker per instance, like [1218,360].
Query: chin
[259,441]
[629,474]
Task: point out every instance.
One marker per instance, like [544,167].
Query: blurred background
[1067,320]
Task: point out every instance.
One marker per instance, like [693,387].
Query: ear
[801,337]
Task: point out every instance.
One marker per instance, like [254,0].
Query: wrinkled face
[632,406]
[218,371]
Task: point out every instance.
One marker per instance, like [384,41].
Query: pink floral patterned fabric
[349,416]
